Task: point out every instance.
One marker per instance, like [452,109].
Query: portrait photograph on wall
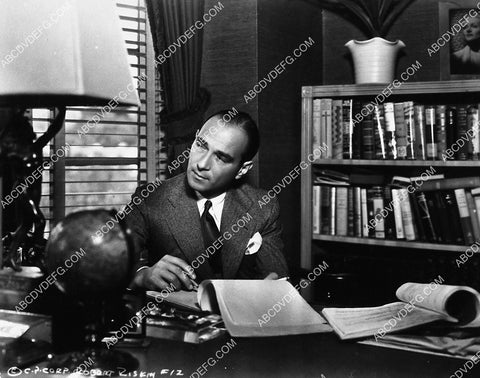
[459,24]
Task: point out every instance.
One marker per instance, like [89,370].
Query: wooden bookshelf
[400,163]
[437,92]
[427,247]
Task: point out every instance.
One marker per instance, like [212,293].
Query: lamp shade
[63,52]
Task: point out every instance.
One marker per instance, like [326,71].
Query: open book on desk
[251,308]
[421,304]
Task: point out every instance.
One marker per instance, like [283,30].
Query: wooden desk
[289,356]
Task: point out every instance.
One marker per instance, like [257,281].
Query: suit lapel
[237,206]
[184,223]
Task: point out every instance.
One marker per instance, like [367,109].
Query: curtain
[185,101]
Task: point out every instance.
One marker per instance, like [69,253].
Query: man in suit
[207,218]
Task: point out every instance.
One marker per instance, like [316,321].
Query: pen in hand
[192,281]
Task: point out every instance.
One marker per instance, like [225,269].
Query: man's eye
[200,144]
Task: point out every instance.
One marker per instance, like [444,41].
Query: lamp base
[95,361]
[15,286]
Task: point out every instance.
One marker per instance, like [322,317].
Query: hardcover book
[420,137]
[400,130]
[337,129]
[441,129]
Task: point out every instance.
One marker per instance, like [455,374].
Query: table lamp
[53,53]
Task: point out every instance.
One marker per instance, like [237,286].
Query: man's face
[216,158]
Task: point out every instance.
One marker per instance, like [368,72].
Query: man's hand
[168,270]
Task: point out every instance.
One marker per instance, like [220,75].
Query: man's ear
[246,166]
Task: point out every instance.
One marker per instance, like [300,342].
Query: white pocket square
[254,244]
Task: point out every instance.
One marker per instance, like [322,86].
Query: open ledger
[251,308]
[420,305]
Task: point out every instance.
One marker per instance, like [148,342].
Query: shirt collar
[215,200]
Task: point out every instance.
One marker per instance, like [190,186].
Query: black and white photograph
[462,25]
[240,188]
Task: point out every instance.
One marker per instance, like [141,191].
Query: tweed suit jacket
[167,221]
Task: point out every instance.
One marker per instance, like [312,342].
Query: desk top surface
[288,356]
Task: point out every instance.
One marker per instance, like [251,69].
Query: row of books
[439,211]
[354,129]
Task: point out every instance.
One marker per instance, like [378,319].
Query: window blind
[103,167]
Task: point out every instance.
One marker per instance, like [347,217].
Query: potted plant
[374,59]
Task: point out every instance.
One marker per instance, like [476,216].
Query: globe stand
[96,271]
[94,357]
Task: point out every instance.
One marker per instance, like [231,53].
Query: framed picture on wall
[459,40]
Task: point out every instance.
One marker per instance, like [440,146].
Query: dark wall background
[250,37]
[243,43]
[417,27]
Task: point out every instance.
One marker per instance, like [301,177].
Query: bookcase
[419,260]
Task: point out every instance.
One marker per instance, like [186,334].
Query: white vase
[374,60]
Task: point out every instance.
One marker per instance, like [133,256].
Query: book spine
[465,219]
[325,211]
[333,207]
[472,209]
[418,224]
[342,211]
[357,132]
[337,129]
[425,218]
[390,218]
[430,133]
[350,213]
[441,129]
[473,147]
[316,209]
[371,212]
[347,129]
[407,215]
[368,137]
[400,130]
[357,215]
[317,121]
[438,209]
[420,137]
[453,216]
[476,198]
[451,120]
[390,127]
[328,126]
[410,127]
[397,211]
[380,133]
[462,153]
[363,199]
[378,207]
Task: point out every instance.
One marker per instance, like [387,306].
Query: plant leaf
[392,16]
[385,8]
[356,10]
[371,7]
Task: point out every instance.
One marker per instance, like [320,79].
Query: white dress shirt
[216,209]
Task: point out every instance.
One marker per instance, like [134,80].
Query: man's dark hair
[243,121]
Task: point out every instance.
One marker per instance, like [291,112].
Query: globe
[88,254]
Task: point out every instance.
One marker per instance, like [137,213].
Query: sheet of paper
[11,329]
[436,298]
[366,321]
[252,308]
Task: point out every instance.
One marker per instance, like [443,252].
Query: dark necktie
[210,234]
